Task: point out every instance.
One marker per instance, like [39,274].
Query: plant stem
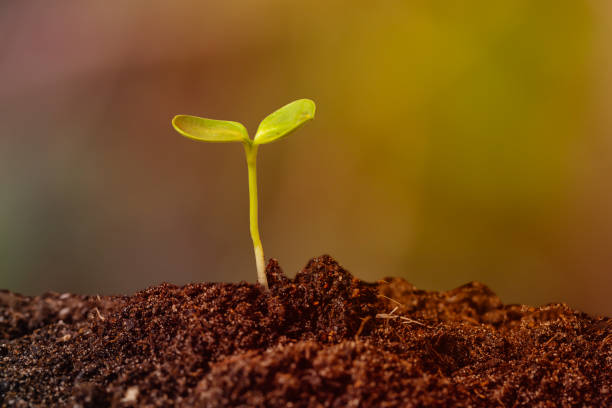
[251,157]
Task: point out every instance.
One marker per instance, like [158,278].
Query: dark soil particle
[322,339]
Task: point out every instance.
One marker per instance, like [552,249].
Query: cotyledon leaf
[284,121]
[210,130]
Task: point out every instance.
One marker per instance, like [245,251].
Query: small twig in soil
[406,320]
[392,316]
[393,300]
[551,339]
[361,326]
[99,314]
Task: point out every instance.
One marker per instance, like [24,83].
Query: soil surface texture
[322,339]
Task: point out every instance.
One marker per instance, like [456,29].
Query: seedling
[274,127]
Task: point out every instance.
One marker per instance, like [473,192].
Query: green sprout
[274,127]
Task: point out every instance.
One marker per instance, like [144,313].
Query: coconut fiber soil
[323,339]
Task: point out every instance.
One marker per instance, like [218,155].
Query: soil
[322,339]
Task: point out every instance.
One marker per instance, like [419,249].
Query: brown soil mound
[323,339]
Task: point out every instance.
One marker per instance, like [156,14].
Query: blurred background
[452,143]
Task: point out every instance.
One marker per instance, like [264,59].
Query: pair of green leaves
[274,127]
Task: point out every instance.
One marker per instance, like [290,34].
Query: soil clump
[322,339]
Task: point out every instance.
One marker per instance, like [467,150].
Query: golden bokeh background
[453,142]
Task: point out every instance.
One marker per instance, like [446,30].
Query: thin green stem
[251,157]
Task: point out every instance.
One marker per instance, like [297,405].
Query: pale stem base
[261,266]
[251,156]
